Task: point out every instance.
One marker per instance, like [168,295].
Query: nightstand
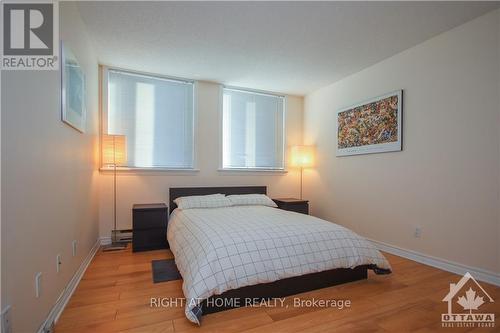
[149,227]
[292,204]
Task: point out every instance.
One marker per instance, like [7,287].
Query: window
[155,114]
[253,130]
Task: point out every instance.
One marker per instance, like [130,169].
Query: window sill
[148,170]
[249,170]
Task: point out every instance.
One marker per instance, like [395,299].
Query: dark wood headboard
[176,192]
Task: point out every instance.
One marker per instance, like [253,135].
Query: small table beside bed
[231,245]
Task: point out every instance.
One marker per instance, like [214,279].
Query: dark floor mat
[165,270]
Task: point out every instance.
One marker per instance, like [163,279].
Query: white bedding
[218,249]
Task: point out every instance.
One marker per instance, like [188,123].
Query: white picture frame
[353,136]
[73,91]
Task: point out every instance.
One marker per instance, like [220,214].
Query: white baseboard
[105,240]
[446,265]
[63,299]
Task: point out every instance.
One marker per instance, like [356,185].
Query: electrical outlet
[6,320]
[73,247]
[38,284]
[418,232]
[58,263]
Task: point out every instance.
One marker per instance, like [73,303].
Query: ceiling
[288,47]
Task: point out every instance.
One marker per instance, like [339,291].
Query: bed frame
[264,291]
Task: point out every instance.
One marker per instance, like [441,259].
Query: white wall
[446,179]
[152,186]
[49,181]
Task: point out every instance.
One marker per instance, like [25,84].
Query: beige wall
[149,186]
[446,179]
[49,182]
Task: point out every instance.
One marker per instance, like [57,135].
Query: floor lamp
[114,153]
[302,157]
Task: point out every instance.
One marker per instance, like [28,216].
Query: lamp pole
[114,202]
[301,170]
[115,245]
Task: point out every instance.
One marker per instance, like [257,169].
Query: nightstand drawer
[150,239]
[302,208]
[294,205]
[149,219]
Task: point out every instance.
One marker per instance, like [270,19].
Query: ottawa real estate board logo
[464,301]
[30,35]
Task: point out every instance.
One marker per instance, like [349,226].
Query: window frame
[221,132]
[103,125]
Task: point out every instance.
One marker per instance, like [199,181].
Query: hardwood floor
[116,290]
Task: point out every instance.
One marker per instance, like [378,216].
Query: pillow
[203,201]
[251,200]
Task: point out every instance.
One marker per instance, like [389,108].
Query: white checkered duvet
[218,249]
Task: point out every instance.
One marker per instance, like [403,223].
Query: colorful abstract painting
[371,127]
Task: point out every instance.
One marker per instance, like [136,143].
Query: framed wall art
[373,126]
[73,94]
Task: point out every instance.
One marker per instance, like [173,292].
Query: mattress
[219,249]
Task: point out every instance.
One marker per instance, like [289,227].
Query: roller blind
[253,130]
[156,115]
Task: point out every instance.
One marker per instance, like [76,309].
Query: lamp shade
[114,149]
[302,156]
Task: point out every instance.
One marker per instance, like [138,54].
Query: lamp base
[115,246]
[121,236]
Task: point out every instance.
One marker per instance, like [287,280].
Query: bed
[230,255]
